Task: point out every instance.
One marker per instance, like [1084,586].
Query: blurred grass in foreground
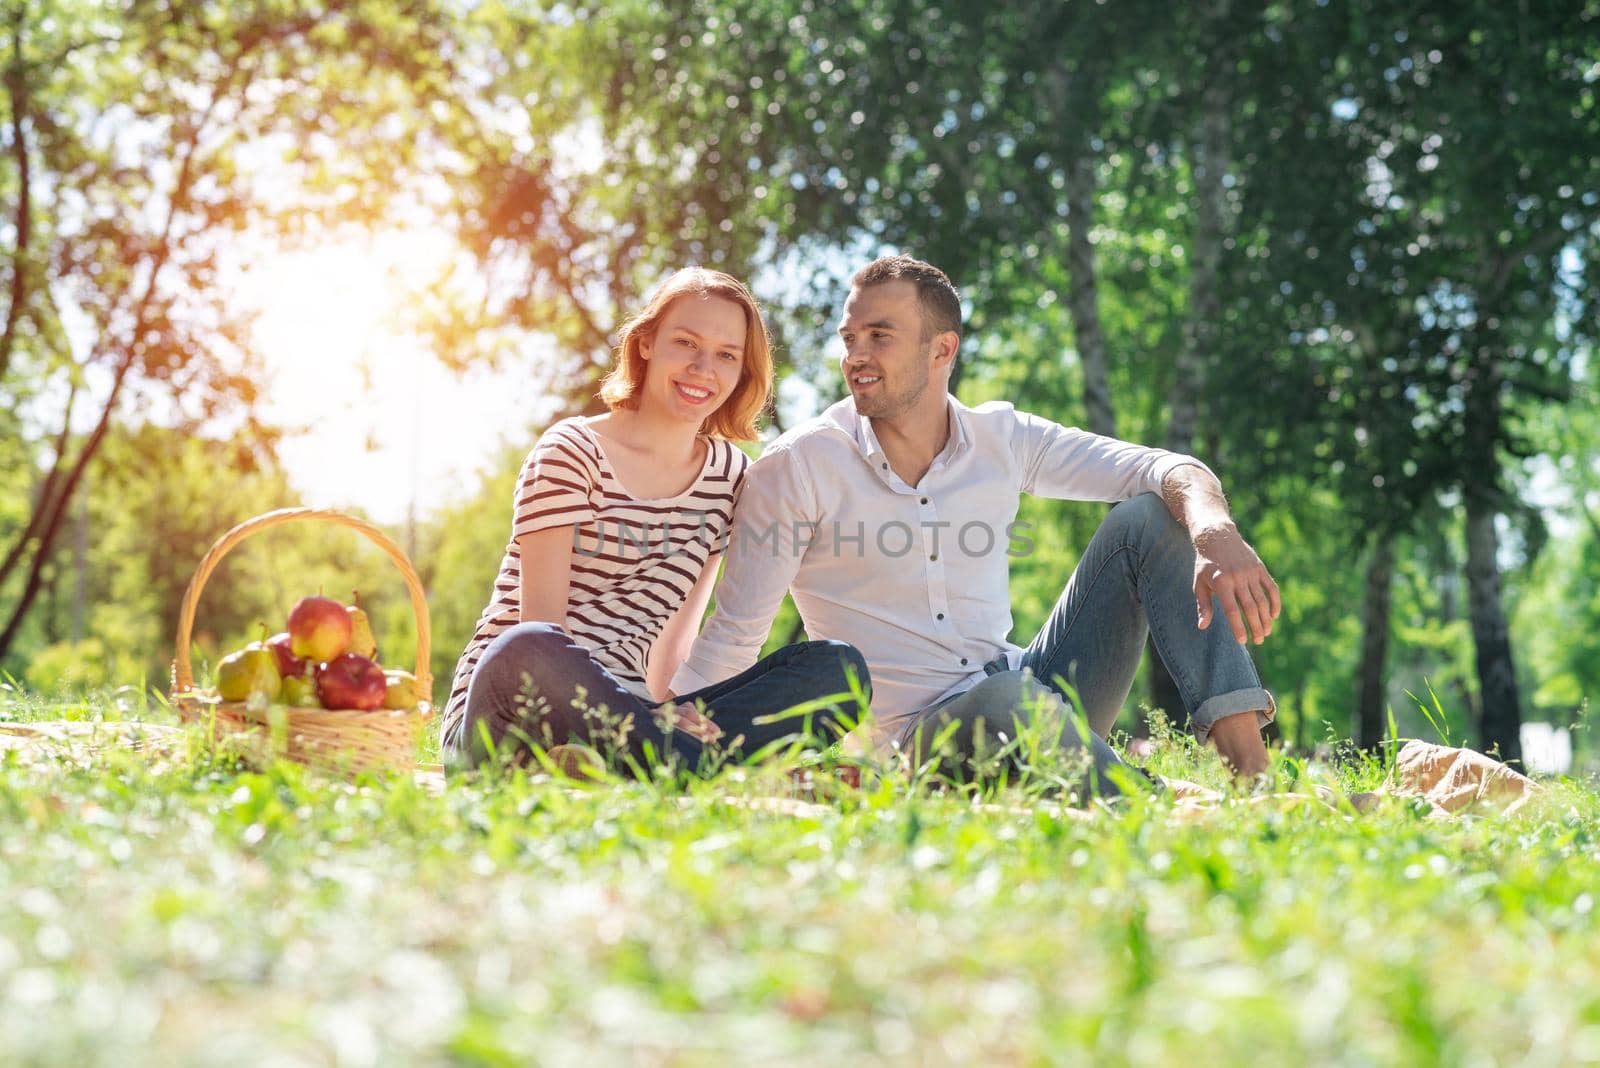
[192,912]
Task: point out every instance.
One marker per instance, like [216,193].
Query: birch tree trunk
[1205,309]
[1200,334]
[1083,298]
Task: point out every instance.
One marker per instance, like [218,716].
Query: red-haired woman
[616,535]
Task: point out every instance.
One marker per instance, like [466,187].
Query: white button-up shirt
[915,577]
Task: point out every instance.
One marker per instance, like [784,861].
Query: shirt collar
[866,440]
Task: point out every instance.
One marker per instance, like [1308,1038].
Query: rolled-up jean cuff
[1223,705]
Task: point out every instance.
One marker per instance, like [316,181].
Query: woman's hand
[689,720]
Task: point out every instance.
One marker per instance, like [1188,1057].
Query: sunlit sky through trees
[379,422]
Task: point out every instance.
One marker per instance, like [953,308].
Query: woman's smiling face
[695,357]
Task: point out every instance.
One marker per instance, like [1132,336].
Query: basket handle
[182,673]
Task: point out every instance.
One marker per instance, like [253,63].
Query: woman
[616,535]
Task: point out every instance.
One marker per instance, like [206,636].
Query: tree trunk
[1205,307]
[1301,735]
[58,509]
[1500,723]
[17,91]
[1074,97]
[80,588]
[1083,296]
[1374,643]
[50,626]
[161,251]
[1449,578]
[41,503]
[1201,328]
[1499,706]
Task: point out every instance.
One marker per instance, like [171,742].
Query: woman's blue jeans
[535,685]
[1136,578]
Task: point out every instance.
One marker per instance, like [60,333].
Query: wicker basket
[332,739]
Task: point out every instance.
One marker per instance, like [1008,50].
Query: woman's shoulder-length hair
[736,418]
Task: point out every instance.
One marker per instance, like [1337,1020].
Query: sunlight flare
[373,421]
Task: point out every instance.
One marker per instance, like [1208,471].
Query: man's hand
[1225,565]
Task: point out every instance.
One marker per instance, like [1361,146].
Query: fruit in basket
[319,628]
[362,643]
[351,681]
[402,690]
[251,670]
[299,691]
[288,664]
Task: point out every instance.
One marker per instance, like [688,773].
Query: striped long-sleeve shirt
[633,562]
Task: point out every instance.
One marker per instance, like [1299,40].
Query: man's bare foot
[1238,742]
[1183,790]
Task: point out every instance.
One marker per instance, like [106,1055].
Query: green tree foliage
[462,547]
[127,172]
[1345,245]
[1433,294]
[1556,616]
[157,502]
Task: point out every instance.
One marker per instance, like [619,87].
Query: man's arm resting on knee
[1225,564]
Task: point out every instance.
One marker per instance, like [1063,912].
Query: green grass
[192,912]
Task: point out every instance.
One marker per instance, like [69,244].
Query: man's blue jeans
[1135,579]
[536,685]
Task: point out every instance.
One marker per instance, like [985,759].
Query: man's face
[886,364]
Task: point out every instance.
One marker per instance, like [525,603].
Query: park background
[359,253]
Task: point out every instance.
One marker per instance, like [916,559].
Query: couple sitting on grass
[890,518]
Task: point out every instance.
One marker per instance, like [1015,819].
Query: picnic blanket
[82,740]
[1451,781]
[1457,780]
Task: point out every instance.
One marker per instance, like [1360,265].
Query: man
[890,518]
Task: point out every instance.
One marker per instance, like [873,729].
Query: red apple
[289,665]
[351,681]
[319,628]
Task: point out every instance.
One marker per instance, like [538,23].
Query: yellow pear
[362,642]
[402,690]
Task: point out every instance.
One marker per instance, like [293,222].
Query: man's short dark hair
[936,294]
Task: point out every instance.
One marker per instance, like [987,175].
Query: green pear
[402,690]
[251,670]
[300,691]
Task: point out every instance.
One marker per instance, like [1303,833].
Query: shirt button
[932,557]
[963,661]
[924,500]
[886,467]
[939,616]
